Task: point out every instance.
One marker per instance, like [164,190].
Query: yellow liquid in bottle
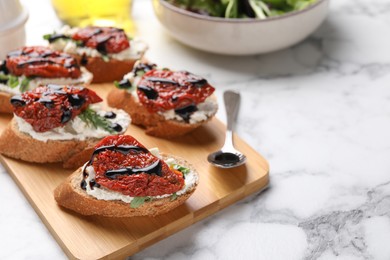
[81,13]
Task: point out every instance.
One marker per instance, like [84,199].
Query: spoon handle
[232,103]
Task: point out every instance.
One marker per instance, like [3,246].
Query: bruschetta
[167,103]
[56,123]
[106,52]
[28,67]
[125,179]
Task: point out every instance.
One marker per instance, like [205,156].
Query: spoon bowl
[228,156]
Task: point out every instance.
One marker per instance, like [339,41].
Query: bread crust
[106,71]
[5,105]
[155,124]
[70,195]
[18,145]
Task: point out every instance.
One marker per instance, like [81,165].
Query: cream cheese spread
[76,128]
[85,78]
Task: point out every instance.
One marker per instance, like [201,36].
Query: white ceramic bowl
[240,36]
[12,19]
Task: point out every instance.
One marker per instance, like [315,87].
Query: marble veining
[318,111]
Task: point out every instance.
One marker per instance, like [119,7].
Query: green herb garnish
[13,81]
[173,196]
[105,58]
[138,201]
[3,77]
[24,85]
[90,117]
[140,73]
[181,169]
[47,36]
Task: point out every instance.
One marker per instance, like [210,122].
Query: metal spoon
[228,156]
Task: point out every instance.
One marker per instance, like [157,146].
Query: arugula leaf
[123,84]
[173,196]
[181,169]
[24,85]
[232,9]
[138,201]
[3,78]
[13,81]
[90,117]
[47,36]
[105,58]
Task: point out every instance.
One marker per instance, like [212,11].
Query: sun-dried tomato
[51,106]
[162,90]
[39,61]
[159,182]
[103,39]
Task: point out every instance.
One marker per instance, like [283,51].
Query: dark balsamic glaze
[144,67]
[83,185]
[17,101]
[154,168]
[116,127]
[55,37]
[185,112]
[47,102]
[66,116]
[101,44]
[227,158]
[42,58]
[84,60]
[149,92]
[3,67]
[110,115]
[93,184]
[174,98]
[76,101]
[198,82]
[161,80]
[124,83]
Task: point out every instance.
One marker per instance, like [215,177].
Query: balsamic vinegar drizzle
[162,80]
[18,101]
[183,112]
[143,67]
[110,115]
[124,83]
[3,67]
[55,37]
[76,101]
[43,58]
[186,112]
[149,92]
[154,168]
[198,82]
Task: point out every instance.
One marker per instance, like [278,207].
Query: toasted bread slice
[106,71]
[18,145]
[155,124]
[70,195]
[5,105]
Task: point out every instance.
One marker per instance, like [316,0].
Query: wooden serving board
[116,238]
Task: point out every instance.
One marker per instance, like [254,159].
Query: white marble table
[319,112]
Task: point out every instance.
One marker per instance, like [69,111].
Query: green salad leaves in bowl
[240,27]
[260,9]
